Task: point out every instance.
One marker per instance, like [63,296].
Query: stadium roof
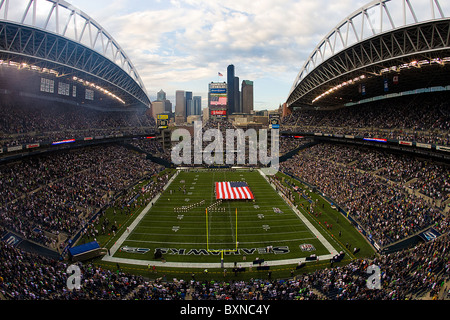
[55,35]
[385,47]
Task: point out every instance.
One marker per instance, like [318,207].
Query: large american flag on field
[233,190]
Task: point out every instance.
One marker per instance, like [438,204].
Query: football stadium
[343,194]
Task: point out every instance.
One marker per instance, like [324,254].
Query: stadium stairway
[329,294]
[333,293]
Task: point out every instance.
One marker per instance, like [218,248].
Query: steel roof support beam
[349,36]
[78,27]
[25,41]
[423,39]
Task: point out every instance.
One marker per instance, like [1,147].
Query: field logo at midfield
[235,154]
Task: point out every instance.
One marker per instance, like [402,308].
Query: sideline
[136,221]
[310,226]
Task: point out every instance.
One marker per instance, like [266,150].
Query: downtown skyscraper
[180,107]
[230,89]
[247,96]
[234,95]
[189,104]
[197,105]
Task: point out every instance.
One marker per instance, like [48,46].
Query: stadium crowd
[405,275]
[251,147]
[376,188]
[392,197]
[153,147]
[44,197]
[424,119]
[22,123]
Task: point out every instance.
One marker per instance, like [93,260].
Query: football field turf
[191,228]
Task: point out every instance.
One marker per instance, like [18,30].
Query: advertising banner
[218,112]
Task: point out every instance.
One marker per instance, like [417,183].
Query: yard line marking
[311,227]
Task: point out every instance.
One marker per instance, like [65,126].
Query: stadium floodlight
[97,87]
[437,60]
[343,84]
[404,66]
[398,68]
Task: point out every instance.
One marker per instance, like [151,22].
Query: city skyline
[237,96]
[268,41]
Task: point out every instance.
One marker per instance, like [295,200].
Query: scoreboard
[274,121]
[162,121]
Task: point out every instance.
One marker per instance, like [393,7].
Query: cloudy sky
[183,44]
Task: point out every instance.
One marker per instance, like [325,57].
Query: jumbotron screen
[218,100]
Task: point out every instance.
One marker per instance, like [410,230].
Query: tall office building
[167,106]
[161,96]
[189,104]
[180,106]
[157,108]
[247,96]
[197,105]
[205,114]
[237,96]
[231,90]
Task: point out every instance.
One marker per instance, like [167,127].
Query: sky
[183,45]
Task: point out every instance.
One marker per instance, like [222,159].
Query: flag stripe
[230,191]
[222,191]
[233,191]
[219,194]
[225,189]
[248,193]
[239,193]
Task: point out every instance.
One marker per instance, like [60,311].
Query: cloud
[182,42]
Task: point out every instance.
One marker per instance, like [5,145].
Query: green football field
[187,234]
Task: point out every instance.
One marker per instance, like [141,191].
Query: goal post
[208,235]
